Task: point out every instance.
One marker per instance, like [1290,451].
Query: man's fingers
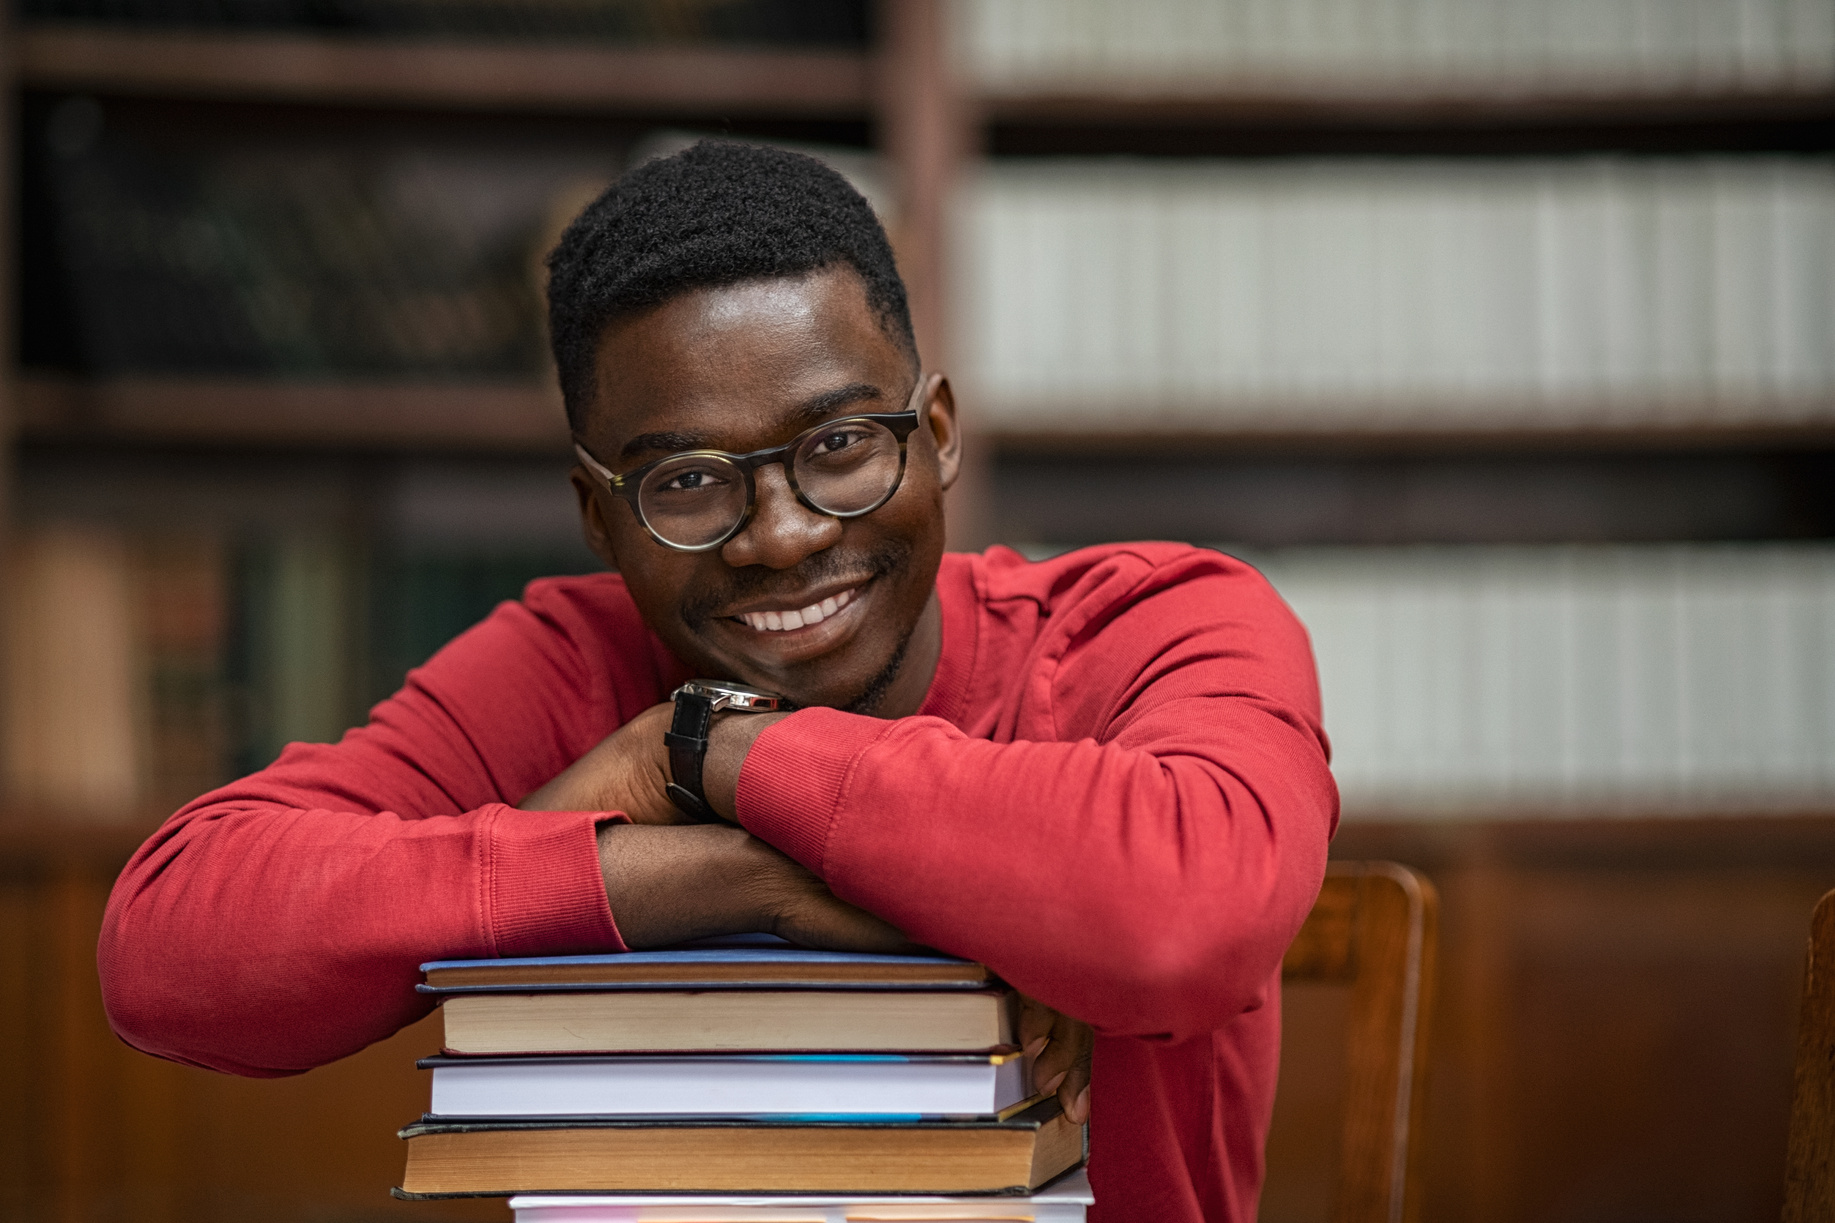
[1035,1020]
[1079,1042]
[1061,1048]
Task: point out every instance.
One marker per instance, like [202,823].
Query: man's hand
[627,771]
[668,885]
[1060,1048]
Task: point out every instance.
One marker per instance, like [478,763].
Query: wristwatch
[696,703]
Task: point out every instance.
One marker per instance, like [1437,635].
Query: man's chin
[873,695]
[831,681]
[817,685]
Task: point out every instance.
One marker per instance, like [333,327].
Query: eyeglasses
[696,500]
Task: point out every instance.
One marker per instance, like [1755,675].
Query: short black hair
[716,213]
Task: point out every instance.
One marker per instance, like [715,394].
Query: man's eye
[692,480]
[840,439]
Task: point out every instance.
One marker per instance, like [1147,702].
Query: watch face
[727,695]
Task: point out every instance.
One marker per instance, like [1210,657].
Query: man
[1102,775]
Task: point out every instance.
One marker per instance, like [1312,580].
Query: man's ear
[592,517]
[940,418]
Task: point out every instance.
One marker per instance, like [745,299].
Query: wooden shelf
[502,418]
[456,74]
[527,418]
[1338,106]
[1352,440]
[444,74]
[35,839]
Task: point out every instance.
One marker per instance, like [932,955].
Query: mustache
[760,582]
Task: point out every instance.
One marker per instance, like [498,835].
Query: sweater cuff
[795,775]
[543,888]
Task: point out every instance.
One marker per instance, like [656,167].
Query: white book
[1571,325]
[1065,1200]
[1811,39]
[1507,288]
[1627,223]
[1803,275]
[827,1085]
[1682,302]
[1743,301]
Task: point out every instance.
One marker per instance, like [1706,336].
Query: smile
[790,619]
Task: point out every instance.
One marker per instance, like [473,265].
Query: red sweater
[1115,795]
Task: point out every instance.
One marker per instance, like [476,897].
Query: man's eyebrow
[829,402]
[813,409]
[666,441]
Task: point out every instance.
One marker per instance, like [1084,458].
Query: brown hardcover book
[793,1155]
[730,1021]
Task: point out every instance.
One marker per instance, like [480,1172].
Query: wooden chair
[1375,928]
[1809,1167]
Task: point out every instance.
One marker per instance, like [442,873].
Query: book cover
[908,1086]
[739,1155]
[735,962]
[775,1020]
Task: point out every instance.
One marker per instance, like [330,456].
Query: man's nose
[783,530]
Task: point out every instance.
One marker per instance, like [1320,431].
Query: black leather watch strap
[696,703]
[686,739]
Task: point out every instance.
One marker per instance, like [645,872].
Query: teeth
[784,621]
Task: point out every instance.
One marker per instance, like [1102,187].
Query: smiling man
[1102,775]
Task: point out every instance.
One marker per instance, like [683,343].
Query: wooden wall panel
[1614,1035]
[1616,1017]
[92,1131]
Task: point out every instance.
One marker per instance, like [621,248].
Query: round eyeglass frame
[629,486]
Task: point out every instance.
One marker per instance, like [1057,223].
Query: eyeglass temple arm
[612,480]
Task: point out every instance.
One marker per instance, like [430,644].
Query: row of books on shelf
[1298,295]
[1599,679]
[742,1076]
[246,257]
[1421,46]
[147,669]
[1399,294]
[793,22]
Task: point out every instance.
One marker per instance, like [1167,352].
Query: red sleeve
[277,924]
[1145,846]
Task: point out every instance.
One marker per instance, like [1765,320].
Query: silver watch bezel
[728,696]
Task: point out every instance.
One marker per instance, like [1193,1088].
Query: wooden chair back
[1375,928]
[1809,1166]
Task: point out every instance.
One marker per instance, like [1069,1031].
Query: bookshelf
[321,70]
[506,417]
[1165,133]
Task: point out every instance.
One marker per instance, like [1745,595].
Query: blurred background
[1499,333]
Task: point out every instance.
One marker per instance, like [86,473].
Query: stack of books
[830,1083]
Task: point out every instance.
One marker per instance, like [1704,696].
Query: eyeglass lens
[693,500]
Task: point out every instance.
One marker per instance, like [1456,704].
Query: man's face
[741,368]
